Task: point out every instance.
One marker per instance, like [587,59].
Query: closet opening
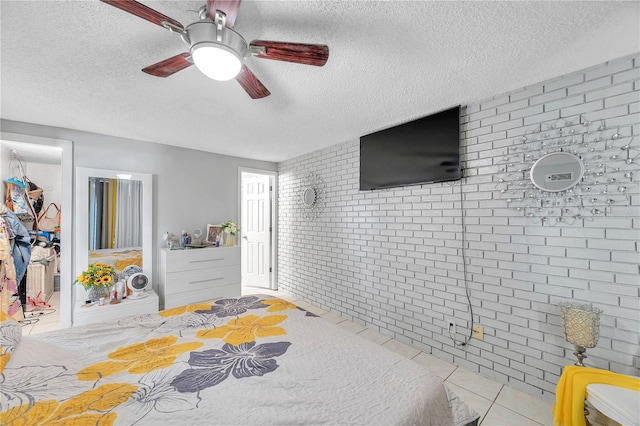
[35,172]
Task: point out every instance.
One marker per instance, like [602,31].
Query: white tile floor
[497,404]
[43,318]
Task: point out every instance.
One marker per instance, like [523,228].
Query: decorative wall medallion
[311,196]
[565,171]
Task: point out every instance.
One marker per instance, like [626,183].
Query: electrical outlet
[478,332]
[451,326]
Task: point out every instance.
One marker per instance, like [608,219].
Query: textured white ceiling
[76,64]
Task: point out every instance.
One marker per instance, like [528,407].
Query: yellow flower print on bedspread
[277,305]
[139,358]
[4,360]
[91,407]
[246,329]
[184,309]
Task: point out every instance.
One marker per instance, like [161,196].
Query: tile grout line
[451,374]
[493,402]
[523,415]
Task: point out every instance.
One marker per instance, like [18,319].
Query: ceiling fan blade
[308,54]
[142,11]
[229,7]
[169,66]
[251,84]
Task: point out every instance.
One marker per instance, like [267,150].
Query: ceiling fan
[217,50]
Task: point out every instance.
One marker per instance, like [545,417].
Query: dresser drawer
[207,258]
[193,281]
[189,276]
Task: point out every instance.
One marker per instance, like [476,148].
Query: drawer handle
[204,281]
[205,260]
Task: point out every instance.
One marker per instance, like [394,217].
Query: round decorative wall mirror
[557,172]
[309,196]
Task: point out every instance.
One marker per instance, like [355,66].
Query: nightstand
[86,314]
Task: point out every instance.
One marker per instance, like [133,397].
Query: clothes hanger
[16,163]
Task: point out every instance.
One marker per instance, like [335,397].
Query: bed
[248,360]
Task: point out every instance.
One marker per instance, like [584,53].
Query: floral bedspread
[248,360]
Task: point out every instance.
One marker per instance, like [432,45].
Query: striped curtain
[115,213]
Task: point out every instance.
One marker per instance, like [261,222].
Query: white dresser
[84,313]
[197,275]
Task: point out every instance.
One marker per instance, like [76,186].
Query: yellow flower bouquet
[97,275]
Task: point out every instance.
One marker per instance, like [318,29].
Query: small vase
[97,292]
[229,240]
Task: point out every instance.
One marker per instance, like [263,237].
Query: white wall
[391,259]
[191,188]
[4,162]
[48,177]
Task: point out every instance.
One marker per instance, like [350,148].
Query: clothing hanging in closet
[9,296]
[20,244]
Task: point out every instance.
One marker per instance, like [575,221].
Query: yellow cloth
[571,391]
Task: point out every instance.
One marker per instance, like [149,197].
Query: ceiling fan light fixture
[217,52]
[216,61]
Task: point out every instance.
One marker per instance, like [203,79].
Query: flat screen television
[421,151]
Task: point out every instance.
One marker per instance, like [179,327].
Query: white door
[256,230]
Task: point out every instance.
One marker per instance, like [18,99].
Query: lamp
[216,61]
[581,327]
[217,51]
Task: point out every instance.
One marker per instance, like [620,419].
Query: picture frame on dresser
[214,232]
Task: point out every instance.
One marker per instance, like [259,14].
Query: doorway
[258,195]
[40,155]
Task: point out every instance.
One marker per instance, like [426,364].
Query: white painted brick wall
[391,259]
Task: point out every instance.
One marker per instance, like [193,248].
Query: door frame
[67,248]
[273,180]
